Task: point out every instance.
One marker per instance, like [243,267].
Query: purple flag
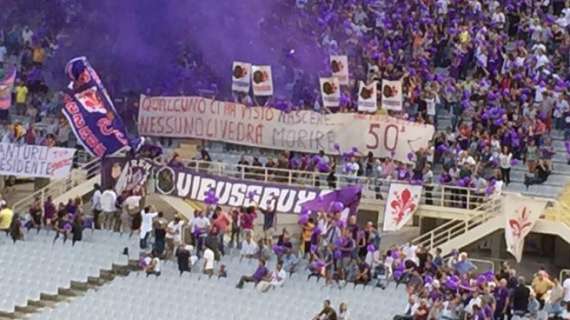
[348,196]
[91,113]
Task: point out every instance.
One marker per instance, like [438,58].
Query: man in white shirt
[209,261]
[27,35]
[566,286]
[442,6]
[475,301]
[278,277]
[173,235]
[498,18]
[108,207]
[146,225]
[131,208]
[199,227]
[410,252]
[248,247]
[96,205]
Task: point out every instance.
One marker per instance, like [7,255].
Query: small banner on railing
[521,214]
[403,201]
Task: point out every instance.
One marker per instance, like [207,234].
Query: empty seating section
[39,266]
[194,296]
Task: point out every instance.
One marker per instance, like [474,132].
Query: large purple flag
[348,196]
[91,113]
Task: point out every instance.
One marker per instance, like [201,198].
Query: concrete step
[543,191]
[559,169]
[553,180]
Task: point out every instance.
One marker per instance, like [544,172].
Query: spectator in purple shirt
[259,274]
[501,300]
[49,211]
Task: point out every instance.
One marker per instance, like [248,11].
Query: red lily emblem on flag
[402,206]
[91,101]
[521,223]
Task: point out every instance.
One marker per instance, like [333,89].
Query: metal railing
[373,188]
[82,158]
[58,187]
[456,227]
[483,265]
[560,213]
[564,273]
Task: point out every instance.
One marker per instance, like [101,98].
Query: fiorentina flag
[392,98]
[241,76]
[330,91]
[91,113]
[520,216]
[403,201]
[6,86]
[367,96]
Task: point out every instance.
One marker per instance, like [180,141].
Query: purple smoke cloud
[176,46]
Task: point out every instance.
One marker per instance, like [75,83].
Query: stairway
[459,232]
[184,207]
[486,219]
[79,183]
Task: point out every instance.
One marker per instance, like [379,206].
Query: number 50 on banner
[387,136]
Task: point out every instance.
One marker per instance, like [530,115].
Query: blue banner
[91,113]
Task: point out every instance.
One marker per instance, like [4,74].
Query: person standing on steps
[96,205]
[505,162]
[146,225]
[108,208]
[173,236]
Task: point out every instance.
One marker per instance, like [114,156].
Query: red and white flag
[403,201]
[521,215]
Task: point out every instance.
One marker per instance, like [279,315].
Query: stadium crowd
[501,69]
[34,115]
[340,253]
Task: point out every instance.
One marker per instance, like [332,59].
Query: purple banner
[190,184]
[193,185]
[349,197]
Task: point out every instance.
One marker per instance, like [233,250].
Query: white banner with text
[301,131]
[22,160]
